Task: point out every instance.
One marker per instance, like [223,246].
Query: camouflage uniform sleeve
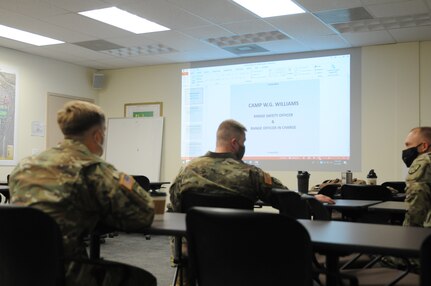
[174,193]
[125,204]
[264,182]
[418,193]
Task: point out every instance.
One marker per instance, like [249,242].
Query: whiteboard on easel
[134,145]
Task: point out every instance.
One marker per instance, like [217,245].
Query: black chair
[195,197]
[290,203]
[143,181]
[237,247]
[298,206]
[365,192]
[330,190]
[31,248]
[399,186]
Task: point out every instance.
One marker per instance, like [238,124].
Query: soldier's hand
[324,199]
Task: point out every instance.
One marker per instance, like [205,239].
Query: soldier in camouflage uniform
[417,157]
[79,190]
[223,171]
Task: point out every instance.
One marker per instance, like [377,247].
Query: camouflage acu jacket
[222,173]
[79,190]
[418,192]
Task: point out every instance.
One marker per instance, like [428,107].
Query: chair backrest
[194,198]
[31,248]
[365,192]
[291,204]
[298,206]
[425,262]
[143,181]
[400,186]
[329,190]
[316,209]
[237,247]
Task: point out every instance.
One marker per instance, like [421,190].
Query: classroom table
[389,207]
[342,204]
[334,238]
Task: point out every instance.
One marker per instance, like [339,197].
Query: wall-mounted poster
[8,122]
[145,109]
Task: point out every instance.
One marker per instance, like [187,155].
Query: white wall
[150,84]
[394,83]
[37,76]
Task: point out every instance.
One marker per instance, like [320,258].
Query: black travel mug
[303,179]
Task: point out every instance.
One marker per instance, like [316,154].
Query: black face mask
[410,154]
[241,152]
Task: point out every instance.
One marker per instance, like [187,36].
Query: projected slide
[297,112]
[278,111]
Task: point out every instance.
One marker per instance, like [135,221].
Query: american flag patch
[126,182]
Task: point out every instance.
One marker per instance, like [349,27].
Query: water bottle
[303,179]
[372,177]
[347,177]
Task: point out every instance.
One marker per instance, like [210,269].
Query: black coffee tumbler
[303,179]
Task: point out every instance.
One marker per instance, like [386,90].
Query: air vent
[138,51]
[98,45]
[245,49]
[238,40]
[343,15]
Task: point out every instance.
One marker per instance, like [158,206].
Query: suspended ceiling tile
[325,42]
[324,5]
[248,27]
[398,9]
[285,46]
[217,12]
[411,34]
[301,25]
[368,38]
[206,32]
[87,26]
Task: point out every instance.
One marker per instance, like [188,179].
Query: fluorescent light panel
[270,8]
[26,37]
[124,20]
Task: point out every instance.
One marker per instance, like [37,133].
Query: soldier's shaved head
[424,133]
[228,130]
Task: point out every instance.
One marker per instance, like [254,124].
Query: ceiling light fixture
[26,37]
[271,8]
[124,20]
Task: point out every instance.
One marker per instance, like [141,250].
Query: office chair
[236,247]
[290,203]
[31,248]
[365,192]
[329,190]
[194,197]
[143,181]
